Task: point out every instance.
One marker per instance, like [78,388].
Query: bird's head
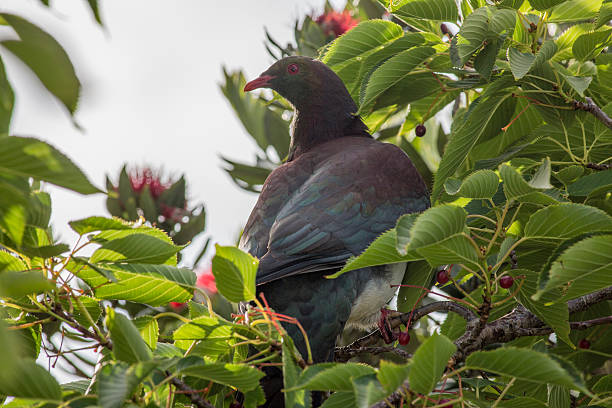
[305,83]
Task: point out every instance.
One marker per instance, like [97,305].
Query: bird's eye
[293,69]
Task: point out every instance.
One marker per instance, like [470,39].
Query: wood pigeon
[338,190]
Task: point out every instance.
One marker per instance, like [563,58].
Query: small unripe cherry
[403,338]
[506,281]
[420,130]
[584,344]
[443,276]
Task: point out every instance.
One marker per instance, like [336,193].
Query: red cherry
[442,401]
[444,29]
[506,281]
[420,130]
[443,276]
[404,338]
[584,344]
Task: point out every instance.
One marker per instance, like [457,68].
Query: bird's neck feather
[320,123]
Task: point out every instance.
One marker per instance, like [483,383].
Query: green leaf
[563,221]
[95,10]
[191,228]
[392,72]
[520,62]
[477,124]
[603,385]
[29,157]
[291,373]
[441,10]
[264,124]
[149,330]
[604,15]
[575,10]
[29,380]
[7,100]
[559,397]
[481,184]
[243,377]
[583,268]
[485,60]
[213,335]
[579,84]
[128,345]
[96,223]
[117,382]
[10,262]
[13,221]
[440,236]
[436,224]
[17,284]
[516,188]
[486,25]
[341,399]
[246,176]
[542,5]
[380,252]
[91,306]
[392,375]
[587,185]
[335,377]
[364,39]
[136,248]
[555,315]
[367,390]
[566,40]
[234,272]
[418,273]
[402,229]
[46,58]
[589,45]
[429,362]
[524,364]
[155,285]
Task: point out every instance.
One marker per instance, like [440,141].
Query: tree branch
[194,395]
[518,323]
[344,354]
[592,108]
[398,319]
[521,322]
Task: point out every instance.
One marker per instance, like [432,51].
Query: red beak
[260,82]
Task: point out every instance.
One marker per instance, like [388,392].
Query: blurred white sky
[150,94]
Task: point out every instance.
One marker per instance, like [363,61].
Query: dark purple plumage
[338,191]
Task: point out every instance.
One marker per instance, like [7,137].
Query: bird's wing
[343,206]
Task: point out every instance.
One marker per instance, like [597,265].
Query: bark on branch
[518,323]
[193,395]
[592,108]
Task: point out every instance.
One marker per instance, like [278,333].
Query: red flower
[336,23]
[139,178]
[206,281]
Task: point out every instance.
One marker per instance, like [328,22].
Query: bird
[337,191]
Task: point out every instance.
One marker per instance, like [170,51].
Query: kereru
[337,192]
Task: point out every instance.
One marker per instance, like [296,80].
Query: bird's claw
[384,325]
